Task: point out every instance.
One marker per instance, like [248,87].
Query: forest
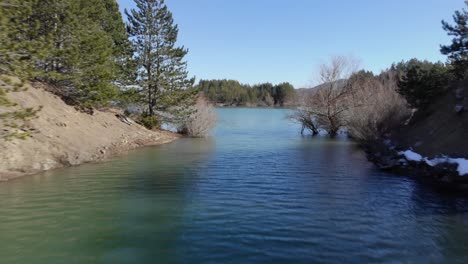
[233,93]
[93,59]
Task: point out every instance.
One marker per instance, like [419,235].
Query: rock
[387,162]
[460,93]
[459,108]
[445,179]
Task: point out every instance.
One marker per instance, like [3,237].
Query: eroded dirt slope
[67,137]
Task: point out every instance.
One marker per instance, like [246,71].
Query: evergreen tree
[16,57]
[161,70]
[283,93]
[458,51]
[17,48]
[80,45]
[420,82]
[231,92]
[86,42]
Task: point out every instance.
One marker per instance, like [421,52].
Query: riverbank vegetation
[414,106]
[370,106]
[367,106]
[92,59]
[233,93]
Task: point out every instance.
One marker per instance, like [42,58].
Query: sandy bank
[67,137]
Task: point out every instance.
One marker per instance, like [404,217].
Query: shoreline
[443,177]
[99,157]
[66,137]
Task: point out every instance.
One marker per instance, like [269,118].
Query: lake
[255,192]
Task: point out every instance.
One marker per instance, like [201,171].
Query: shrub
[201,121]
[375,107]
[150,122]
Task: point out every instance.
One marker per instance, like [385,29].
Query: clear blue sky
[257,41]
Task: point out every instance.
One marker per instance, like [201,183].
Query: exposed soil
[67,137]
[439,130]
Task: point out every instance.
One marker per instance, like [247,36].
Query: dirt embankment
[430,144]
[442,129]
[67,137]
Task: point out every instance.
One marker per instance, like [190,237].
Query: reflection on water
[256,192]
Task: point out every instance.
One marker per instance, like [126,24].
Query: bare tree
[368,106]
[324,108]
[306,119]
[202,120]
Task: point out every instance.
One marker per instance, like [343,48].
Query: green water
[255,192]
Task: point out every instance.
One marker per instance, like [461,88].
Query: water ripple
[257,192]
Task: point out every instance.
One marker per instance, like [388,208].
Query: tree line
[233,93]
[93,59]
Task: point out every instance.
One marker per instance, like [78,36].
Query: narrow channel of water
[256,192]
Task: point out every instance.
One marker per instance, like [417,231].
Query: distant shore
[221,105]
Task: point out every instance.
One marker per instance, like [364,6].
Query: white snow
[462,166]
[411,155]
[461,163]
[436,161]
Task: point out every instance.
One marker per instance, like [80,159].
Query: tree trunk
[150,93]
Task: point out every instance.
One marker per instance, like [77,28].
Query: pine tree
[81,46]
[162,71]
[458,51]
[16,59]
[17,48]
[87,45]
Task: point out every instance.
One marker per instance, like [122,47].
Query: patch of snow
[436,161]
[411,155]
[462,164]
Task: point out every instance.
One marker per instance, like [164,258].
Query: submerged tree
[324,107]
[457,51]
[162,72]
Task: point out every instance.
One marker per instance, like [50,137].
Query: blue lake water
[255,192]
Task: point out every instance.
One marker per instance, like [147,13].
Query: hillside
[65,137]
[439,130]
[306,92]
